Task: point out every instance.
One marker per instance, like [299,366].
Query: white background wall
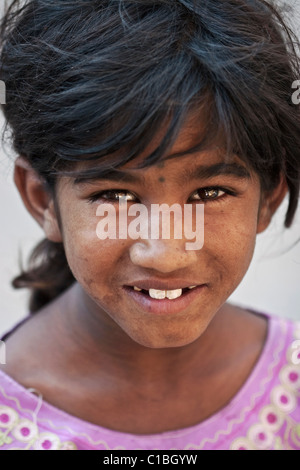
[272,283]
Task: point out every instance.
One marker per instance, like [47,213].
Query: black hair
[95,80]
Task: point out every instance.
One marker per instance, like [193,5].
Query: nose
[162,255]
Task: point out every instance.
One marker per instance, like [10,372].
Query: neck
[96,340]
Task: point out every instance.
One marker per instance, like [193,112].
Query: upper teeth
[162,294]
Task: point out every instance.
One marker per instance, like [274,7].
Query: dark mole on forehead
[161,179]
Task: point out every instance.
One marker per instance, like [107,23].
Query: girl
[130,342]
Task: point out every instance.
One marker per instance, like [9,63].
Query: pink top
[264,414]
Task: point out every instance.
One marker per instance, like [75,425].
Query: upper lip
[162,285]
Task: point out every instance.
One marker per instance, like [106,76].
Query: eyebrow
[111,174]
[209,171]
[200,173]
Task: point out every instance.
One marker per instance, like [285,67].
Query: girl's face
[108,270]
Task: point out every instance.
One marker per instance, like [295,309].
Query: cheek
[89,258]
[230,241]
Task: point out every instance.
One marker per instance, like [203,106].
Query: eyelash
[98,196]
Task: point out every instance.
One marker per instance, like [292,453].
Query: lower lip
[165,306]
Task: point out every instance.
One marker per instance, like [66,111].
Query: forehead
[192,133]
[189,157]
[181,171]
[190,137]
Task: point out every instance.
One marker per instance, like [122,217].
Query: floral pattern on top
[19,431]
[276,416]
[263,415]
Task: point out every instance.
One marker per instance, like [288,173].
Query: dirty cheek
[230,242]
[83,249]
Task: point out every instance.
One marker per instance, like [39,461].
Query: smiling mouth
[162,294]
[165,302]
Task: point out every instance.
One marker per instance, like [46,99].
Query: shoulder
[280,358]
[283,339]
[31,347]
[273,402]
[20,427]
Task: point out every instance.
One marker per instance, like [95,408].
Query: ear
[37,199]
[269,204]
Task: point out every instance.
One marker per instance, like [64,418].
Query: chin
[166,341]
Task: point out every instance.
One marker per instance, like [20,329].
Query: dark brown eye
[206,194]
[117,195]
[112,196]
